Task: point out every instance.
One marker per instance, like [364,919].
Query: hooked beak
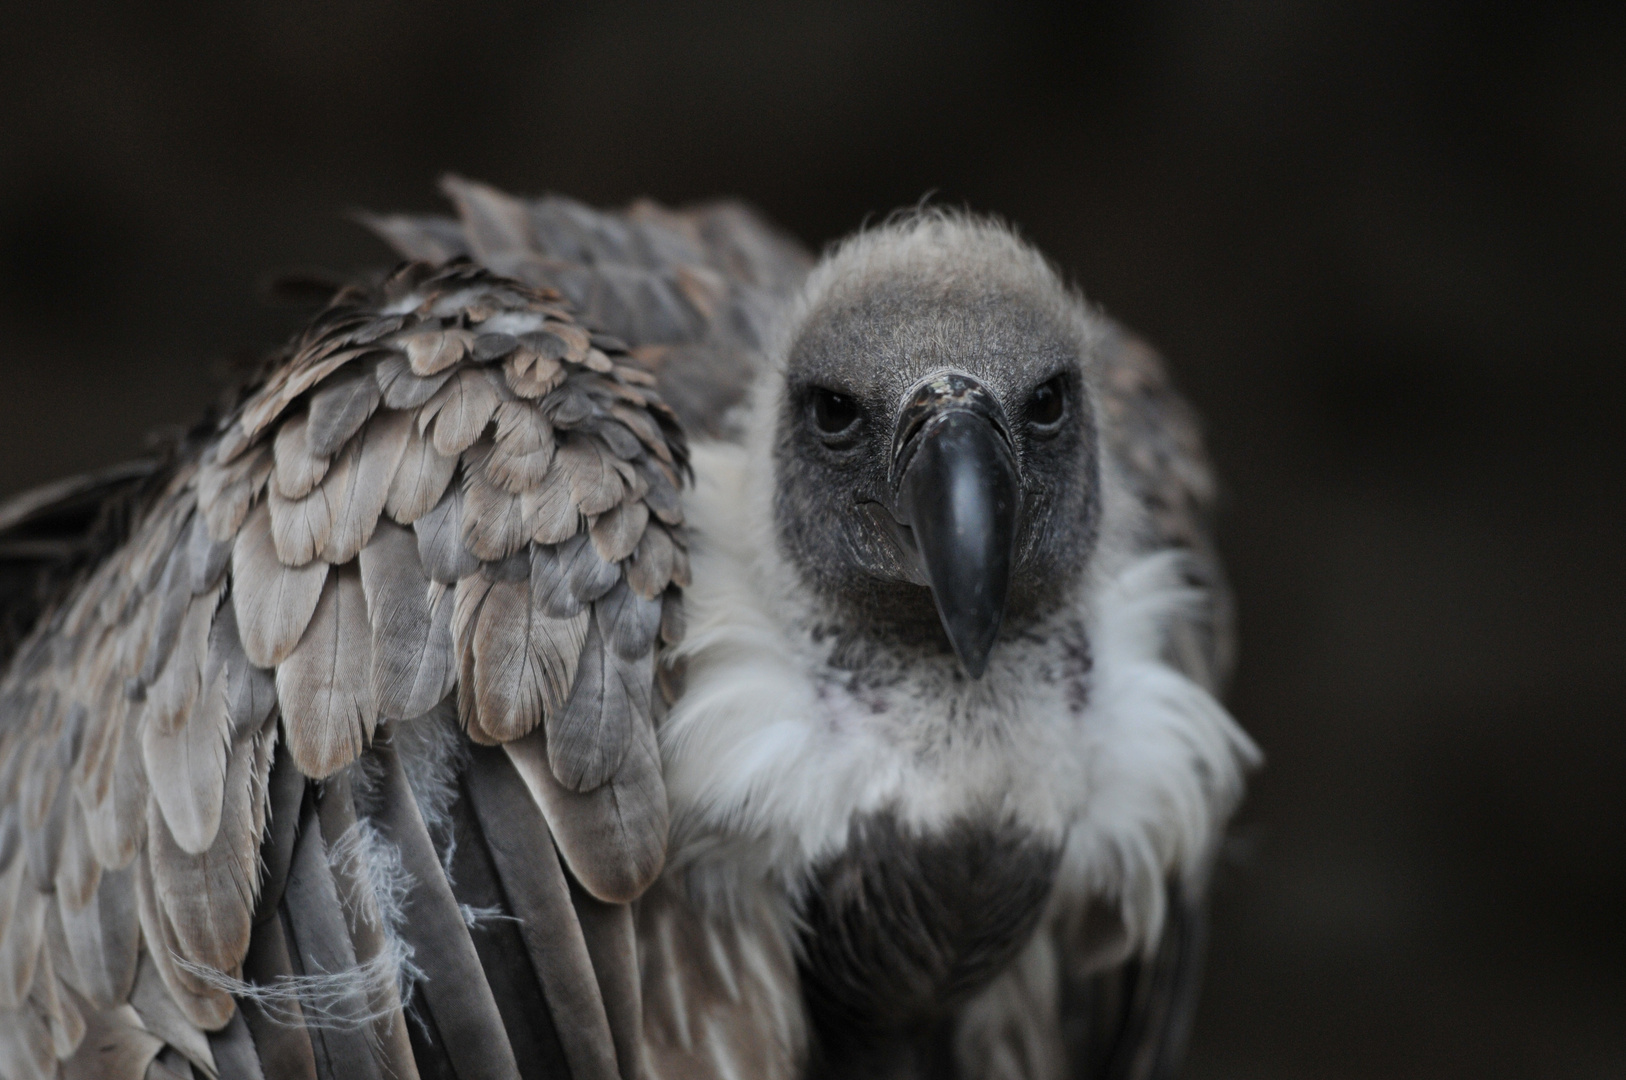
[955,486]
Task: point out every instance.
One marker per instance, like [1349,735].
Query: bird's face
[936,460]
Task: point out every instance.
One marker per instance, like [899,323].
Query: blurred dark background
[1382,244]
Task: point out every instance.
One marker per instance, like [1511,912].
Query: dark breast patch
[903,926]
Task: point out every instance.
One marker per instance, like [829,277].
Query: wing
[694,291]
[281,767]
[1155,438]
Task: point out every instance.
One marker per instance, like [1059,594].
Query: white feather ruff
[770,754]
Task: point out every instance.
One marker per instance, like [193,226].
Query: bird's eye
[1048,403]
[834,413]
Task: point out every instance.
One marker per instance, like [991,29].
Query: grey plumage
[242,834]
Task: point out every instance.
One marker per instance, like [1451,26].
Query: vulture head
[935,447]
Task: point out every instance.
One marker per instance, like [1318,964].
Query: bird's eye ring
[1048,404]
[833,413]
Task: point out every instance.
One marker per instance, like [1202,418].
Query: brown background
[1382,243]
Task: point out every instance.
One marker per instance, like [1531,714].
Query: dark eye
[834,413]
[1048,403]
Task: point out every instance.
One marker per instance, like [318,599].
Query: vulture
[618,645]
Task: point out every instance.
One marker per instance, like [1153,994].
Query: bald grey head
[936,449]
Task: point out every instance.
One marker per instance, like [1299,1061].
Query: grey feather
[338,409]
[420,480]
[250,692]
[22,913]
[401,388]
[208,897]
[595,485]
[325,686]
[206,558]
[440,539]
[614,837]
[186,769]
[628,622]
[534,882]
[226,492]
[588,738]
[299,469]
[455,990]
[662,493]
[411,617]
[172,596]
[274,601]
[567,576]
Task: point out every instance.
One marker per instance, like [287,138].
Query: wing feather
[319,556]
[325,686]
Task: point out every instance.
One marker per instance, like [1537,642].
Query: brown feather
[186,769]
[524,661]
[274,602]
[22,930]
[208,897]
[298,469]
[374,456]
[461,410]
[493,522]
[172,698]
[549,511]
[115,825]
[116,1046]
[432,350]
[523,448]
[648,432]
[613,838]
[104,938]
[420,480]
[411,618]
[301,527]
[325,686]
[650,568]
[225,493]
[532,376]
[616,532]
[78,873]
[595,486]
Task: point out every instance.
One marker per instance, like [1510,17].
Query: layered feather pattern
[439,491]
